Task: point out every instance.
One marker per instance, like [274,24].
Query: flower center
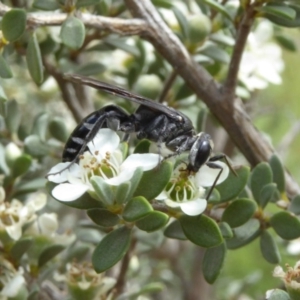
[181,189]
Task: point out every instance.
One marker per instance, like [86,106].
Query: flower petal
[194,207]
[69,192]
[14,231]
[59,176]
[120,178]
[146,161]
[12,288]
[206,175]
[106,140]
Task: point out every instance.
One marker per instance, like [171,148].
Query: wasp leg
[214,166]
[223,156]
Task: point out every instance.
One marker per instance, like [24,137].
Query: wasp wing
[118,91]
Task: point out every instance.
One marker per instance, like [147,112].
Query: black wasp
[152,120]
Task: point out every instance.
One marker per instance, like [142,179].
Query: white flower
[104,159]
[13,215]
[261,62]
[290,277]
[46,225]
[186,191]
[82,276]
[10,279]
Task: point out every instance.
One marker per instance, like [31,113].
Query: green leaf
[174,231]
[286,21]
[154,181]
[40,126]
[286,42]
[20,247]
[122,192]
[218,7]
[261,175]
[13,116]
[111,249]
[46,5]
[269,248]
[35,147]
[244,234]
[152,221]
[49,253]
[57,128]
[281,11]
[83,3]
[142,146]
[295,205]
[239,212]
[13,24]
[103,190]
[201,230]
[134,182]
[29,186]
[103,217]
[5,71]
[72,32]
[183,92]
[269,193]
[136,209]
[121,44]
[286,225]
[163,3]
[216,53]
[182,21]
[3,99]
[233,185]
[226,230]
[213,261]
[278,172]
[21,165]
[91,68]
[278,294]
[34,60]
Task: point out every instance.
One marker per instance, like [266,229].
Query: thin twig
[238,50]
[167,86]
[116,25]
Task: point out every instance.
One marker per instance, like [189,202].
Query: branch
[238,50]
[116,25]
[234,119]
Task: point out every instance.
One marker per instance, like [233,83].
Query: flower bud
[199,28]
[149,86]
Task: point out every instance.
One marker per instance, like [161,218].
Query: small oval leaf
[152,221]
[286,225]
[49,253]
[201,230]
[72,32]
[261,175]
[13,116]
[269,193]
[244,234]
[269,248]
[21,165]
[103,217]
[174,231]
[212,262]
[103,190]
[13,24]
[20,247]
[58,129]
[278,172]
[5,71]
[34,60]
[111,249]
[295,205]
[239,212]
[136,209]
[153,182]
[233,185]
